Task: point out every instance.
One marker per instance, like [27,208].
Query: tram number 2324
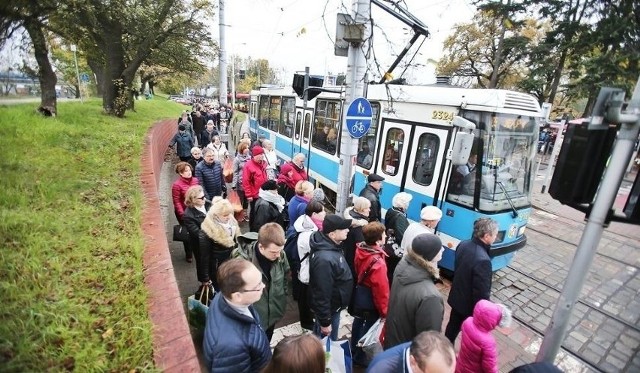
[442,115]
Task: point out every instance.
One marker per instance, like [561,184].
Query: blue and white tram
[412,143]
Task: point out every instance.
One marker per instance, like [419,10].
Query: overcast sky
[293,34]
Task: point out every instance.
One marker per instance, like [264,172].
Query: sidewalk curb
[173,348]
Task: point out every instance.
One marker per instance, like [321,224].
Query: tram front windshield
[501,163]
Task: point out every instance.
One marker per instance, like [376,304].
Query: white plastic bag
[337,355]
[370,342]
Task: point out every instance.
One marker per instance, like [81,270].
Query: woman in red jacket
[371,272]
[254,175]
[178,193]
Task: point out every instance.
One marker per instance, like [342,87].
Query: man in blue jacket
[209,174]
[234,342]
[428,352]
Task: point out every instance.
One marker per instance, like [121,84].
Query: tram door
[300,140]
[426,163]
[392,154]
[411,159]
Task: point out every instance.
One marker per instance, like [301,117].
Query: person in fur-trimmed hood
[359,215]
[217,239]
[415,304]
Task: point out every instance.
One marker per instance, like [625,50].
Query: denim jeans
[335,325]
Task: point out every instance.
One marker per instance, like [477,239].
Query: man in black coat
[372,193]
[330,279]
[472,274]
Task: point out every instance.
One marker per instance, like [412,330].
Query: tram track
[569,351]
[568,242]
[585,303]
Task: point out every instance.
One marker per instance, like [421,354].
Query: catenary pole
[75,58]
[356,76]
[627,135]
[222,98]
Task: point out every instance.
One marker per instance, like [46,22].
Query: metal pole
[305,99]
[630,124]
[356,73]
[233,82]
[222,98]
[551,164]
[75,58]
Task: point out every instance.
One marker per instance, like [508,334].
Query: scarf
[276,199]
[231,229]
[318,223]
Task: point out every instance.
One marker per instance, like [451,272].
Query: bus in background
[422,138]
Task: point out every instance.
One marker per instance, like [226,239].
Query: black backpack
[291,250]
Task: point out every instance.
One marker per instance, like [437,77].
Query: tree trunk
[77,88]
[98,71]
[46,75]
[590,102]
[497,58]
[114,96]
[557,74]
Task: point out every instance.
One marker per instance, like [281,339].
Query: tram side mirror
[464,141]
[461,148]
[460,122]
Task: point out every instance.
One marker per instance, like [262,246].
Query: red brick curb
[173,348]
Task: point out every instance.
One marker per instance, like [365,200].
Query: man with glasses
[267,255]
[233,338]
[209,174]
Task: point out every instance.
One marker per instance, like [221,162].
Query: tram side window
[327,125]
[426,157]
[274,113]
[306,128]
[286,121]
[263,111]
[392,150]
[367,143]
[298,125]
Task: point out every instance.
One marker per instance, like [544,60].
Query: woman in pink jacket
[478,350]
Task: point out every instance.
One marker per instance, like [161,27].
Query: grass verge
[71,283]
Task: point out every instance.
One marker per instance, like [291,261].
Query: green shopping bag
[198,307]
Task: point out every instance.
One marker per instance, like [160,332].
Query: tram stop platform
[603,338]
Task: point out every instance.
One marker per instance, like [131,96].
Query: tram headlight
[521,230]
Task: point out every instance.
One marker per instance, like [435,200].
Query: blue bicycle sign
[359,115]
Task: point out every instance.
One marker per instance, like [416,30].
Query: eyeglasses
[259,287]
[200,197]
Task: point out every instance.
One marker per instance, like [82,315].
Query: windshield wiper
[504,190]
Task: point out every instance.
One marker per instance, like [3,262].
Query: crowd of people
[328,262]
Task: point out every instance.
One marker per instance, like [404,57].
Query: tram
[420,138]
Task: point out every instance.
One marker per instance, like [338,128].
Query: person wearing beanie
[268,207]
[415,305]
[184,142]
[254,175]
[472,280]
[478,350]
[372,192]
[286,183]
[330,280]
[429,218]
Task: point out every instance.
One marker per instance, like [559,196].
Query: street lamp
[75,58]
